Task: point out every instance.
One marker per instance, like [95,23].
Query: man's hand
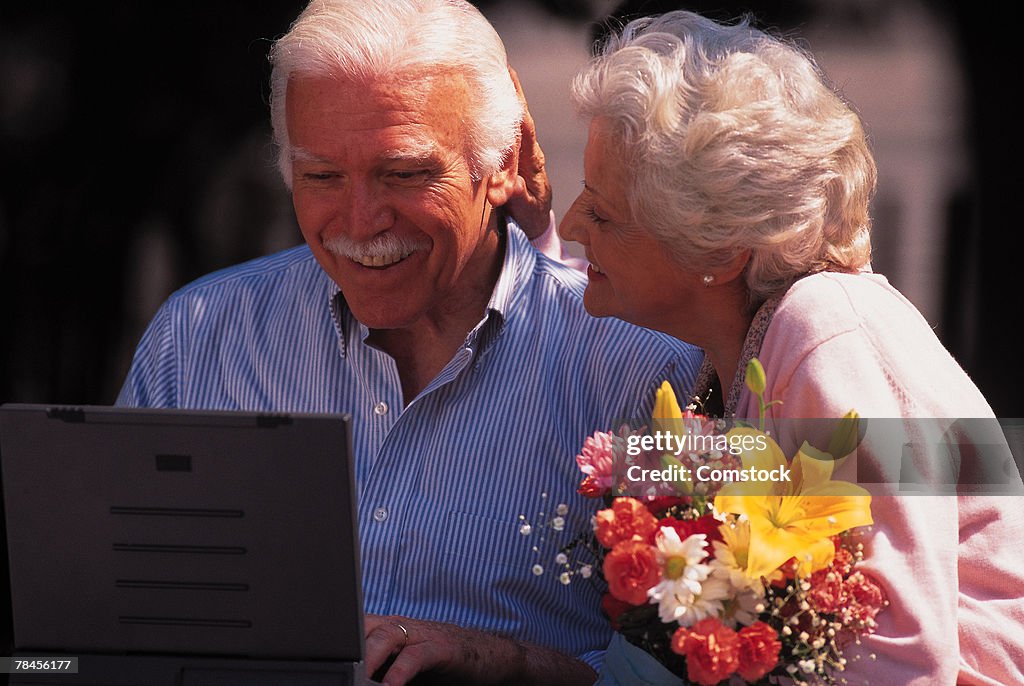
[530,203]
[462,656]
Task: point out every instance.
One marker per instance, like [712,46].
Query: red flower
[843,562]
[706,525]
[865,599]
[842,590]
[626,520]
[759,651]
[788,569]
[712,651]
[631,568]
[590,488]
[827,593]
[614,608]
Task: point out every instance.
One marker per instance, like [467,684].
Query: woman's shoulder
[863,310]
[827,304]
[857,340]
[850,314]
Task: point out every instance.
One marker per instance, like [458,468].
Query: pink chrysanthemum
[597,461]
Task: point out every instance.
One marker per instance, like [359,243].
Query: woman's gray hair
[402,38]
[734,141]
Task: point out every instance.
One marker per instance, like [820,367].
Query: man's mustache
[387,245]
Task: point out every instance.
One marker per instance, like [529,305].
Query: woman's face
[631,275]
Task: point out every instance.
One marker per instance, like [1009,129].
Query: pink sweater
[952,566]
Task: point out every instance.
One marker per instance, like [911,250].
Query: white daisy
[687,593]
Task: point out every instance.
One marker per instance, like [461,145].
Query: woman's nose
[569,228]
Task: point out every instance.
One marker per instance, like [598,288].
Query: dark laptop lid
[181,532]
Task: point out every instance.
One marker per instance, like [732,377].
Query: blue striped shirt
[442,481]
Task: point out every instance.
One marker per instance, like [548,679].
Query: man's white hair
[390,39]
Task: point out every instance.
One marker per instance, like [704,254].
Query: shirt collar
[517,265]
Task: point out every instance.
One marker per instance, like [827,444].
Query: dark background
[128,128]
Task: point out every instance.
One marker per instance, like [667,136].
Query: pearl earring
[708,278]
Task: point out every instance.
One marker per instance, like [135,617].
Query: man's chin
[384,315]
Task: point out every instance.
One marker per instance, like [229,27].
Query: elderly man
[466,358]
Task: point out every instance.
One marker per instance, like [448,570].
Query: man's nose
[369,210]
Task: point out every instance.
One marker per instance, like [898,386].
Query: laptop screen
[174,532]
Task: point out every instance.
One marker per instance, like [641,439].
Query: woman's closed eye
[592,214]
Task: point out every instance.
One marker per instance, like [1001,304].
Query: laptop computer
[185,547]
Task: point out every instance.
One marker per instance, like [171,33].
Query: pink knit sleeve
[952,566]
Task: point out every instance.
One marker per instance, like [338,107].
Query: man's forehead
[423,86]
[408,117]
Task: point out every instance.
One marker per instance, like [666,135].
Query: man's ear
[502,183]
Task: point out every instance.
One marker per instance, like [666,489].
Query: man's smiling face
[383,192]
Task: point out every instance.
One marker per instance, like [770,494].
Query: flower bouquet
[723,578]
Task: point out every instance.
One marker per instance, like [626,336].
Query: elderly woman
[725,202]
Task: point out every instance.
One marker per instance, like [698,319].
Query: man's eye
[408,175]
[319,176]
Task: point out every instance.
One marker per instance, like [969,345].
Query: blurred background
[136,157]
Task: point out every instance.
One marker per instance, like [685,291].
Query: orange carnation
[631,568]
[627,519]
[712,651]
[759,651]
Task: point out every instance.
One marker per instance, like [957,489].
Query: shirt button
[381,408]
[380,514]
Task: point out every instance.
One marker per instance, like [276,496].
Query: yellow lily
[665,404]
[795,518]
[667,413]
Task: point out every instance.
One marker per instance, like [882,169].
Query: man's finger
[415,659]
[530,203]
[515,81]
[534,155]
[528,127]
[384,638]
